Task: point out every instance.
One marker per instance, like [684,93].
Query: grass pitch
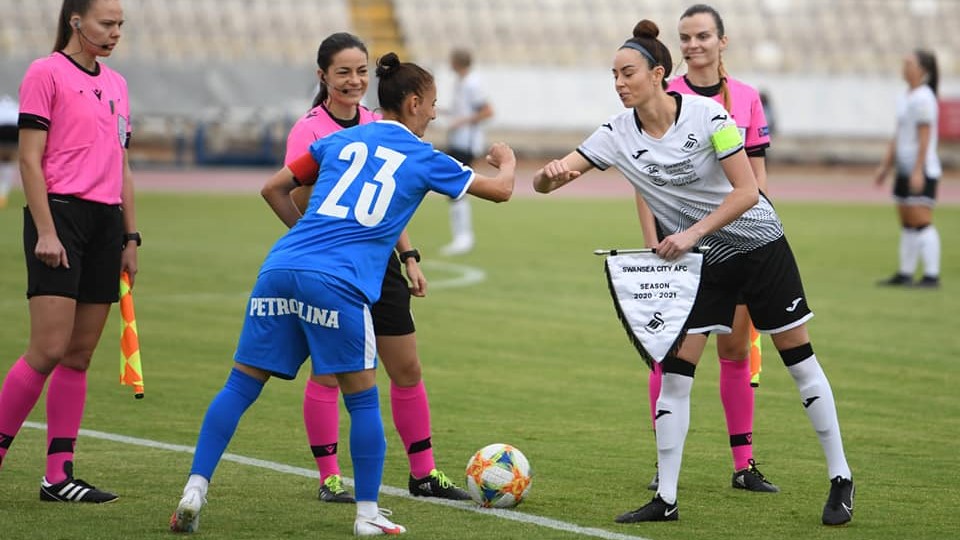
[533,356]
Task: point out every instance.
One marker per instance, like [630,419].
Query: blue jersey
[372,179]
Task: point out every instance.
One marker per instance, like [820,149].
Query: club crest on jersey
[691,143]
[654,174]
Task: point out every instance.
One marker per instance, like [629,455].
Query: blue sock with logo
[367,443]
[220,422]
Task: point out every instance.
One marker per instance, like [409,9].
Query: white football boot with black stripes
[73,490]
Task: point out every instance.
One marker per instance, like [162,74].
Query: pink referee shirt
[314,125]
[746,109]
[87,119]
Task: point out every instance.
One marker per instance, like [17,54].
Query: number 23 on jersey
[374,199]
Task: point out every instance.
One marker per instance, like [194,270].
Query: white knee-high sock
[909,250]
[929,242]
[817,399]
[673,421]
[461,220]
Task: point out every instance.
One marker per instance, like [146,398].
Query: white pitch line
[469,275]
[464,276]
[386,490]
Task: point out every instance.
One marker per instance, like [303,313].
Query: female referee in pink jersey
[702,39]
[78,232]
[342,69]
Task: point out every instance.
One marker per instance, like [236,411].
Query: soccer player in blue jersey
[315,288]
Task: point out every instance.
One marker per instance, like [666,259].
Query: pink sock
[411,416]
[736,394]
[65,399]
[21,390]
[653,387]
[321,417]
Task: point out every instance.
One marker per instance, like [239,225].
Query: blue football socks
[220,422]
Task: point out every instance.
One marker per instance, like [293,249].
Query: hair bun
[387,64]
[646,29]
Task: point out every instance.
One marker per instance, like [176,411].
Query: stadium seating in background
[249,65]
[229,70]
[189,31]
[778,36]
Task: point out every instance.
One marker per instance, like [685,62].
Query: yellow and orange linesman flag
[755,357]
[130,371]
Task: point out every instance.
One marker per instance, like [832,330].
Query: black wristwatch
[132,237]
[404,255]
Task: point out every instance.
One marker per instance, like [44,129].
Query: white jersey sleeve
[601,148]
[921,108]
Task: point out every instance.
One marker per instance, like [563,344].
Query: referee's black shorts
[766,279]
[92,235]
[391,314]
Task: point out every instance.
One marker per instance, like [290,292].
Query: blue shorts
[293,314]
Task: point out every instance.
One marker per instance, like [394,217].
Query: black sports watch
[404,255]
[132,237]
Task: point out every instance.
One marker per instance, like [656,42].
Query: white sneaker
[459,246]
[375,526]
[186,519]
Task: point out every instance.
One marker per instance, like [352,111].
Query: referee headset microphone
[76,25]
[332,87]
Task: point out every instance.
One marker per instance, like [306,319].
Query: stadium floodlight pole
[695,249]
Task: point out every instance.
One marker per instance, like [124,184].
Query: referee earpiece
[76,24]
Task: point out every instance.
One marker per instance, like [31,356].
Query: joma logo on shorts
[275,307]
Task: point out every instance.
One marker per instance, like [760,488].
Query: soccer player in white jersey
[914,151]
[315,288]
[465,141]
[685,156]
[702,39]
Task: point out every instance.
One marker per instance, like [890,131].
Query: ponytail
[724,87]
[398,80]
[320,97]
[928,62]
[65,30]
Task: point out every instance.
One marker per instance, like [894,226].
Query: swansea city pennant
[653,298]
